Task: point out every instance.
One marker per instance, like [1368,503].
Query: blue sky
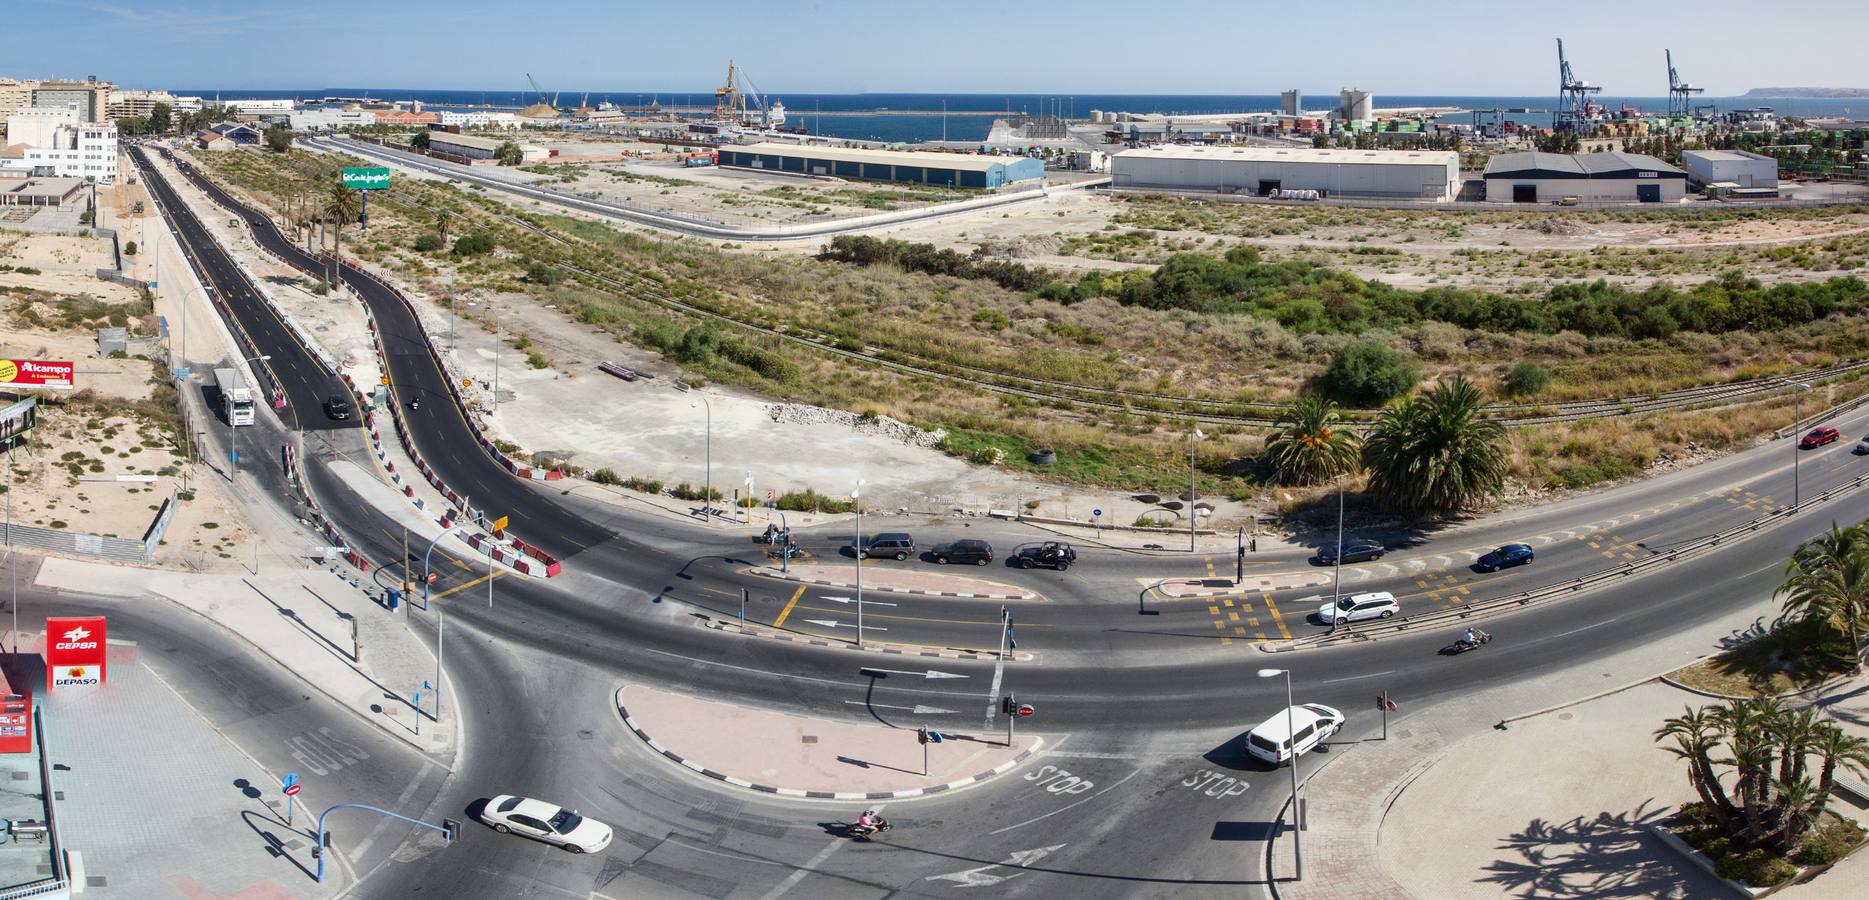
[1446,47]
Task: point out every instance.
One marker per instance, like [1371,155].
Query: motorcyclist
[866,822]
[416,403]
[1470,639]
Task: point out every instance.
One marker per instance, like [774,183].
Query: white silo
[1356,105]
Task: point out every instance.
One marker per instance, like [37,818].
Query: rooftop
[1336,156]
[1725,155]
[1577,164]
[43,187]
[464,140]
[966,161]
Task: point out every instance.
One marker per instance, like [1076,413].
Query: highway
[1144,690]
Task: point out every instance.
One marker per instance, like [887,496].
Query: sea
[916,118]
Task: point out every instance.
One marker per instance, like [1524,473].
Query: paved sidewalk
[303,620]
[797,756]
[902,581]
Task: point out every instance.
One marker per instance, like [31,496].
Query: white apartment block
[478,118]
[330,119]
[86,151]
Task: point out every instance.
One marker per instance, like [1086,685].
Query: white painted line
[1072,806]
[798,875]
[1356,677]
[1087,754]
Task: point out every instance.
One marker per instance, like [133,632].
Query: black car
[1508,555]
[1360,550]
[1051,554]
[337,407]
[977,552]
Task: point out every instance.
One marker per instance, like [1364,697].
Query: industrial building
[1396,174]
[1355,105]
[1739,167]
[1531,176]
[916,167]
[479,148]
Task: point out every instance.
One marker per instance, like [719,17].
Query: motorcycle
[865,832]
[415,403]
[1462,645]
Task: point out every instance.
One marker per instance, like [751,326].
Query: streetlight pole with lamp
[441,620]
[1336,580]
[1291,734]
[1193,516]
[856,495]
[707,465]
[1797,425]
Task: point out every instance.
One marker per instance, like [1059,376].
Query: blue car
[1509,555]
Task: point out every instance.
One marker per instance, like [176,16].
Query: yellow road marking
[1233,617]
[788,607]
[1213,610]
[1220,625]
[1228,601]
[1253,621]
[1226,642]
[1277,619]
[461,587]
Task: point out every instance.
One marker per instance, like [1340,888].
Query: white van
[1271,741]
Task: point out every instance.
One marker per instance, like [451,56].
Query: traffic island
[819,759]
[902,581]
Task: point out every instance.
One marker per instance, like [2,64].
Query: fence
[98,546]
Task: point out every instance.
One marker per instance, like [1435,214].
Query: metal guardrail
[1511,602]
[36,889]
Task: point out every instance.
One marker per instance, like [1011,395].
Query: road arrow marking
[1025,858]
[828,623]
[918,710]
[974,877]
[930,674]
[848,600]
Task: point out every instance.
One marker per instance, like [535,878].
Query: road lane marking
[811,678]
[1065,808]
[798,875]
[1277,619]
[461,587]
[780,621]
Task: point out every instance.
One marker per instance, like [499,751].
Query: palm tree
[442,219]
[1828,580]
[1436,453]
[342,205]
[1696,736]
[1310,443]
[1837,750]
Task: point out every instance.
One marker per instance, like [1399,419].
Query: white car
[1271,740]
[1359,607]
[542,821]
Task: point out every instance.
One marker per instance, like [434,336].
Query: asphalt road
[1142,697]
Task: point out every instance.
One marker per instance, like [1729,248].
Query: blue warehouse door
[1648,193]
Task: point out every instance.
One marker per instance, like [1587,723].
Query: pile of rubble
[883,426]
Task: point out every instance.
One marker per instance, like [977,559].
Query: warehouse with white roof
[1745,169]
[1260,171]
[965,170]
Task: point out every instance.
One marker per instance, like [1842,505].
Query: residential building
[14,95]
[136,104]
[87,151]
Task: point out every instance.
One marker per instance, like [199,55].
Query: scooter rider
[1470,640]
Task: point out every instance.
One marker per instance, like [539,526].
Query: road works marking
[780,621]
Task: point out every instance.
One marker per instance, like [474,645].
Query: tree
[509,154]
[1369,372]
[129,248]
[443,218]
[419,140]
[1310,443]
[1436,453]
[159,118]
[1827,580]
[342,204]
[1526,379]
[279,138]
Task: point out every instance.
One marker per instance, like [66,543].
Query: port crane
[739,102]
[1680,93]
[1574,105]
[540,90]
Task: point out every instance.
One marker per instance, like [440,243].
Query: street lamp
[1797,425]
[707,474]
[233,455]
[1336,580]
[856,494]
[441,620]
[1291,735]
[1192,512]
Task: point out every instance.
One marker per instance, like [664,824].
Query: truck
[698,159]
[237,399]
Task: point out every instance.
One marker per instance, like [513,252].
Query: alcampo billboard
[74,651]
[35,373]
[366,178]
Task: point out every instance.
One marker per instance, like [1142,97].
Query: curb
[763,573]
[1799,694]
[678,759]
[736,628]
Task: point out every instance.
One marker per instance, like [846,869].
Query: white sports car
[542,821]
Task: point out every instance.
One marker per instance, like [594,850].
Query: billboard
[18,419]
[35,373]
[74,651]
[366,178]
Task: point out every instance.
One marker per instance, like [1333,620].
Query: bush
[1526,379]
[646,485]
[1829,844]
[129,248]
[686,491]
[1367,372]
[541,273]
[428,243]
[808,500]
[473,244]
[605,476]
[1755,867]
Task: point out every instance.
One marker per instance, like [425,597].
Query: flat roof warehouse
[969,162]
[1335,156]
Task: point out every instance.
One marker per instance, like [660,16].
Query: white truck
[236,397]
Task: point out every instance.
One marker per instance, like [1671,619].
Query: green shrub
[646,485]
[808,500]
[129,248]
[605,476]
[1367,372]
[1150,522]
[473,244]
[686,491]
[1829,844]
[428,243]
[1755,867]
[541,273]
[1526,379]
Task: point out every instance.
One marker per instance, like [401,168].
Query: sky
[1437,47]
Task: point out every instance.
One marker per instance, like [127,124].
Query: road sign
[467,382]
[366,178]
[499,524]
[1026,710]
[292,790]
[935,737]
[385,379]
[291,778]
[1096,513]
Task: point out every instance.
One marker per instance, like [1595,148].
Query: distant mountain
[1809,93]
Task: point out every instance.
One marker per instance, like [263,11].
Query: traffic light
[921,735]
[1008,704]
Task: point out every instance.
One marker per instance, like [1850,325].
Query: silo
[1291,102]
[1356,105]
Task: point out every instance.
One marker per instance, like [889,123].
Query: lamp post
[707,465]
[233,455]
[1291,733]
[1797,425]
[441,620]
[856,494]
[1336,580]
[1193,436]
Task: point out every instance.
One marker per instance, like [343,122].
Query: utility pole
[1192,496]
[856,495]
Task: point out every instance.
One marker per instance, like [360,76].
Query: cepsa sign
[35,373]
[74,651]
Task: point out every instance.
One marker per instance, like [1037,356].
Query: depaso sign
[35,373]
[74,651]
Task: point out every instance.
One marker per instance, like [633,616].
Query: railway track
[1211,410]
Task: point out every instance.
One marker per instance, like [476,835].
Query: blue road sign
[1096,513]
[935,737]
[290,779]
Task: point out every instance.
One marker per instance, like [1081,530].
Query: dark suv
[337,407]
[1051,554]
[977,552]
